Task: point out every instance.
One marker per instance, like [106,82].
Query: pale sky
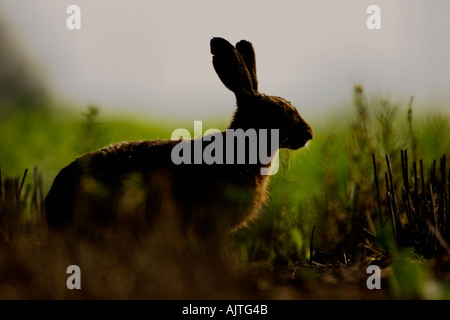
[138,56]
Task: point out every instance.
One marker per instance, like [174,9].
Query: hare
[208,199]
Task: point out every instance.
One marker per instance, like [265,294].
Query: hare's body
[94,185]
[209,199]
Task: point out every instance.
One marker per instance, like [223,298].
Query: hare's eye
[295,115]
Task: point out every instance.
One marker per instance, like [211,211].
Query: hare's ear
[247,52]
[230,67]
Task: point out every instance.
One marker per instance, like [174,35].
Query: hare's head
[236,67]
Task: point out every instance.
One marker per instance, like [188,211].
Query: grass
[367,191]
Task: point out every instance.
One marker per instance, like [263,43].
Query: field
[371,189]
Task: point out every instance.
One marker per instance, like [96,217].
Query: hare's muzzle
[308,134]
[297,138]
[301,137]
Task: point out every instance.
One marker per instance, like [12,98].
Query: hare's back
[106,168]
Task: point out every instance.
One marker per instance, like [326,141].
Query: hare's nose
[308,134]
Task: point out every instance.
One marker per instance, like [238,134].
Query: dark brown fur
[205,199]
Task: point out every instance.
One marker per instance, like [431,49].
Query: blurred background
[153,57]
